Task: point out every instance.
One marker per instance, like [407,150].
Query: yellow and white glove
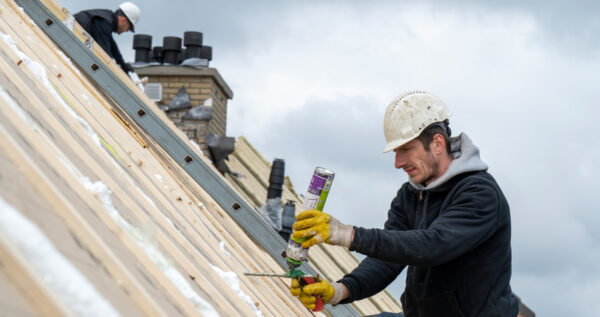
[307,294]
[321,227]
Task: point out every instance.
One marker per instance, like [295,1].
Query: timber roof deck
[96,218]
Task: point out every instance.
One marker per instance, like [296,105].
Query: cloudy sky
[312,79]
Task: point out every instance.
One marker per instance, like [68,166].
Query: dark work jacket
[100,24]
[455,240]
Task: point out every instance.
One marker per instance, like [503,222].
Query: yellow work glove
[307,294]
[321,227]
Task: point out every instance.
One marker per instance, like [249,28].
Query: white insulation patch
[67,284]
[68,61]
[145,240]
[234,282]
[222,247]
[40,72]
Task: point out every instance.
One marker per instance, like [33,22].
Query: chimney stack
[192,94]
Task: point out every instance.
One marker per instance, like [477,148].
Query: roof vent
[271,210]
[276,178]
[193,42]
[171,49]
[157,54]
[142,43]
[287,220]
[181,100]
[220,147]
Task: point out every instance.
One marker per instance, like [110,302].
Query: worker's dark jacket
[100,24]
[454,235]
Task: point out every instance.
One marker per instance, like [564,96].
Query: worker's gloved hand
[321,227]
[307,294]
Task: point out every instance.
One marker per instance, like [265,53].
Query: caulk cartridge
[315,198]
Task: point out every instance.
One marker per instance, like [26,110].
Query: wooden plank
[24,278]
[11,300]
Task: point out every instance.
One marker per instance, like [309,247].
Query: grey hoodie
[465,158]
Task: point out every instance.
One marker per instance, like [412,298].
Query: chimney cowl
[206,52]
[192,38]
[171,48]
[157,54]
[142,41]
[171,43]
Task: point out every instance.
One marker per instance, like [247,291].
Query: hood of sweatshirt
[465,158]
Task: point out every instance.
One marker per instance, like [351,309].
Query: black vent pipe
[171,48]
[193,42]
[287,220]
[142,44]
[206,52]
[157,54]
[276,179]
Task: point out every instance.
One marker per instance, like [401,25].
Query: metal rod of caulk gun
[278,275]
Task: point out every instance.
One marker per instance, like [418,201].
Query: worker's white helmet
[409,114]
[132,12]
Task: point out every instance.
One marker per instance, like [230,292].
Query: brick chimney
[193,97]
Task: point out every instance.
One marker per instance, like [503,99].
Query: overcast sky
[312,79]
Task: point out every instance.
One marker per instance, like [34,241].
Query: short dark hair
[442,128]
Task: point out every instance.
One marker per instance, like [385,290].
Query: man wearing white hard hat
[101,23]
[449,225]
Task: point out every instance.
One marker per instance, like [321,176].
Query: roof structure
[97,218]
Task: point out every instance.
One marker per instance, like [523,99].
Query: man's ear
[438,144]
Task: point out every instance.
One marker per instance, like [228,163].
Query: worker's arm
[469,220]
[116,54]
[374,275]
[369,278]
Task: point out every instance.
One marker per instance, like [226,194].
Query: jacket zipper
[420,195]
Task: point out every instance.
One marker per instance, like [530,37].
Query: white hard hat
[409,114]
[132,12]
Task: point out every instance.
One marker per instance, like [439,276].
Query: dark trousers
[387,315]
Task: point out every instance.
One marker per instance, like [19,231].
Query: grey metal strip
[137,109]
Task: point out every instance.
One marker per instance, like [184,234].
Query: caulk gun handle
[319,302]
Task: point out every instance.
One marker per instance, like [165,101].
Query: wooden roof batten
[140,112]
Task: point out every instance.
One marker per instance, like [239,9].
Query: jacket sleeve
[468,220]
[116,54]
[373,275]
[369,278]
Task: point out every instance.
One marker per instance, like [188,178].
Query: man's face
[123,24]
[422,166]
